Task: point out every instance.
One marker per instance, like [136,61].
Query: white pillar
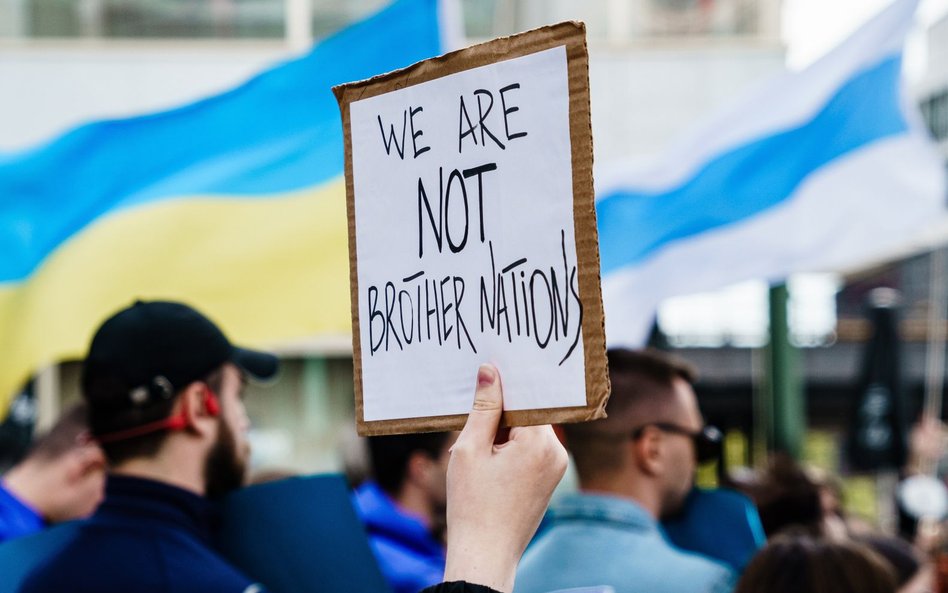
[91,17]
[769,20]
[620,21]
[299,24]
[46,388]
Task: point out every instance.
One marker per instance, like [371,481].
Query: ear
[418,468]
[92,457]
[193,408]
[648,452]
[83,461]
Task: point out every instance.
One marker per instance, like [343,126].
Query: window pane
[484,19]
[145,18]
[639,18]
[703,17]
[331,15]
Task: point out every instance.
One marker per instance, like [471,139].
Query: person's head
[913,574]
[648,445]
[802,564]
[63,473]
[161,380]
[412,468]
[788,498]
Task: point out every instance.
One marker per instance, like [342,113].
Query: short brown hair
[390,455]
[641,381]
[69,432]
[787,498]
[802,564]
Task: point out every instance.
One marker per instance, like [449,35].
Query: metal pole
[763,414]
[935,353]
[783,381]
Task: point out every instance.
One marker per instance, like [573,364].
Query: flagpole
[787,406]
[935,352]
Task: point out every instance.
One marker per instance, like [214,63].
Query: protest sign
[472,235]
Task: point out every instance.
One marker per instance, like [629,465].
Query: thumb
[482,422]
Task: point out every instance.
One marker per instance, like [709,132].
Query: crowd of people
[161,435]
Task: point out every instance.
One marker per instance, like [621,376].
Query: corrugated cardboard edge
[572,35]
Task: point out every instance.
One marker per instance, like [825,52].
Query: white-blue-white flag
[825,169]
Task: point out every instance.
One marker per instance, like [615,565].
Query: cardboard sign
[472,235]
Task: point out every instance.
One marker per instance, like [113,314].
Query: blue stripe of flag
[278,132]
[754,177]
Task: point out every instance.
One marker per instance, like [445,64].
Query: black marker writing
[437,223]
[408,121]
[550,300]
[468,127]
[509,110]
[433,308]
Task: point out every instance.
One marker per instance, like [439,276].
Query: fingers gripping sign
[497,493]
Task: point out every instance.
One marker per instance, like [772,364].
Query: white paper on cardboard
[465,240]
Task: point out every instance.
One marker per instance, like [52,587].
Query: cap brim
[259,365]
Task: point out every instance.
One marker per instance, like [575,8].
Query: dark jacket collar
[146,502]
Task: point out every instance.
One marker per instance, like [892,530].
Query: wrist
[483,564]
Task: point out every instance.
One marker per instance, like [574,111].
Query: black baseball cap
[157,348]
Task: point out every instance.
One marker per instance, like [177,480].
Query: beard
[224,469]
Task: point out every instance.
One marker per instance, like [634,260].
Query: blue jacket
[146,537]
[410,558]
[16,517]
[597,540]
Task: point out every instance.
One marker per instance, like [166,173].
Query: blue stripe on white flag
[753,177]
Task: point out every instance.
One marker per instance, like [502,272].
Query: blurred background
[657,69]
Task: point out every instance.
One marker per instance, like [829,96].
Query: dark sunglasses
[707,440]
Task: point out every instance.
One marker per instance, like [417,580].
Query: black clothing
[151,537]
[147,537]
[458,587]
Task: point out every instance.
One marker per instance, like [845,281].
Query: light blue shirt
[595,541]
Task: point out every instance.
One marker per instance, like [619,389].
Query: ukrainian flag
[235,204]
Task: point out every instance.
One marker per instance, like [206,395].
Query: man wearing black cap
[163,386]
